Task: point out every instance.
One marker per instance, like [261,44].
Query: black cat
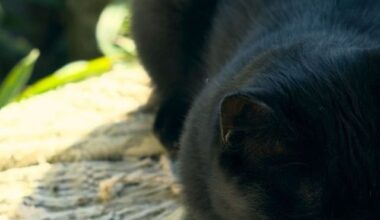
[281,100]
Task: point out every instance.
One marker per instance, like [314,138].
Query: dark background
[63,30]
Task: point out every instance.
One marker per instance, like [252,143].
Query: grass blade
[17,78]
[71,72]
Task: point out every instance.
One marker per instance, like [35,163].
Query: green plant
[114,41]
[113,30]
[69,73]
[17,78]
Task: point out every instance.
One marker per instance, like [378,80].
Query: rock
[84,151]
[90,120]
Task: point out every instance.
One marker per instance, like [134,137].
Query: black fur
[282,104]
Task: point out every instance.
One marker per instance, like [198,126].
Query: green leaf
[71,72]
[110,25]
[17,78]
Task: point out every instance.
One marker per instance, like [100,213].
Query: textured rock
[87,120]
[77,153]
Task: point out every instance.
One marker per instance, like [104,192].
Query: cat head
[300,137]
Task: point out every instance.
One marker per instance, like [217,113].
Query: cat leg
[170,35]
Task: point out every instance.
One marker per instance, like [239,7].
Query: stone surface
[83,151]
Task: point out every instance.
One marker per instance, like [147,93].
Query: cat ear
[240,113]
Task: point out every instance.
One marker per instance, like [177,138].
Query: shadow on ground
[115,172]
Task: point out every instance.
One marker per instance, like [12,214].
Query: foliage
[71,72]
[111,31]
[113,39]
[28,24]
[17,78]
